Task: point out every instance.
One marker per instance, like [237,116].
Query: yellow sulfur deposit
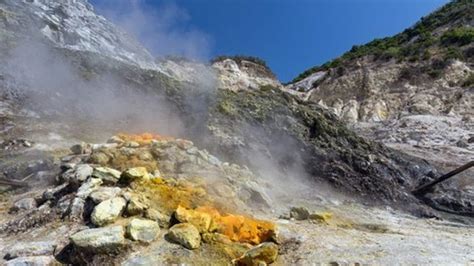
[142,139]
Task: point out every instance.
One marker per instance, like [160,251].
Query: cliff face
[235,74]
[412,89]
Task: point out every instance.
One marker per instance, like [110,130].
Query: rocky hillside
[412,89]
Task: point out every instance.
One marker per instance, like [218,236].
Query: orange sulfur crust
[143,139]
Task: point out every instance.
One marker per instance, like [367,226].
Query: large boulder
[186,235]
[108,211]
[201,220]
[104,193]
[132,174]
[137,204]
[88,187]
[98,240]
[78,174]
[108,175]
[143,230]
[262,254]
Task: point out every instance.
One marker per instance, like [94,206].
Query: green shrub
[458,36]
[453,53]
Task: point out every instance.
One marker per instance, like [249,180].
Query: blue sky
[290,35]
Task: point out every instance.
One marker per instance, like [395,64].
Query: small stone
[132,144]
[55,192]
[104,193]
[24,204]
[186,235]
[108,175]
[99,158]
[184,144]
[321,217]
[107,146]
[202,221]
[262,254]
[82,172]
[30,249]
[192,150]
[82,148]
[115,139]
[33,261]
[143,230]
[108,211]
[136,205]
[162,219]
[470,140]
[88,187]
[299,213]
[96,240]
[133,174]
[76,211]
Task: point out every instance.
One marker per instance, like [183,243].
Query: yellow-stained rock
[132,174]
[262,254]
[323,217]
[201,220]
[186,235]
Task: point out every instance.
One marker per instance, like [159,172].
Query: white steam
[164,30]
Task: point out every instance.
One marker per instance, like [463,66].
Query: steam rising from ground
[54,88]
[163,31]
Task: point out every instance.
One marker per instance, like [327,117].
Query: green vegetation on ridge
[413,43]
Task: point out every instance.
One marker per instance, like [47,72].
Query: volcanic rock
[262,254]
[25,249]
[24,204]
[106,239]
[155,215]
[82,148]
[143,230]
[108,211]
[76,210]
[104,193]
[79,174]
[132,174]
[202,221]
[186,235]
[108,175]
[88,187]
[136,204]
[299,213]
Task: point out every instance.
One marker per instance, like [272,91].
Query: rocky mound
[137,192]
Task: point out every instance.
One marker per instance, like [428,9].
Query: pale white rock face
[247,76]
[73,24]
[307,83]
[382,95]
